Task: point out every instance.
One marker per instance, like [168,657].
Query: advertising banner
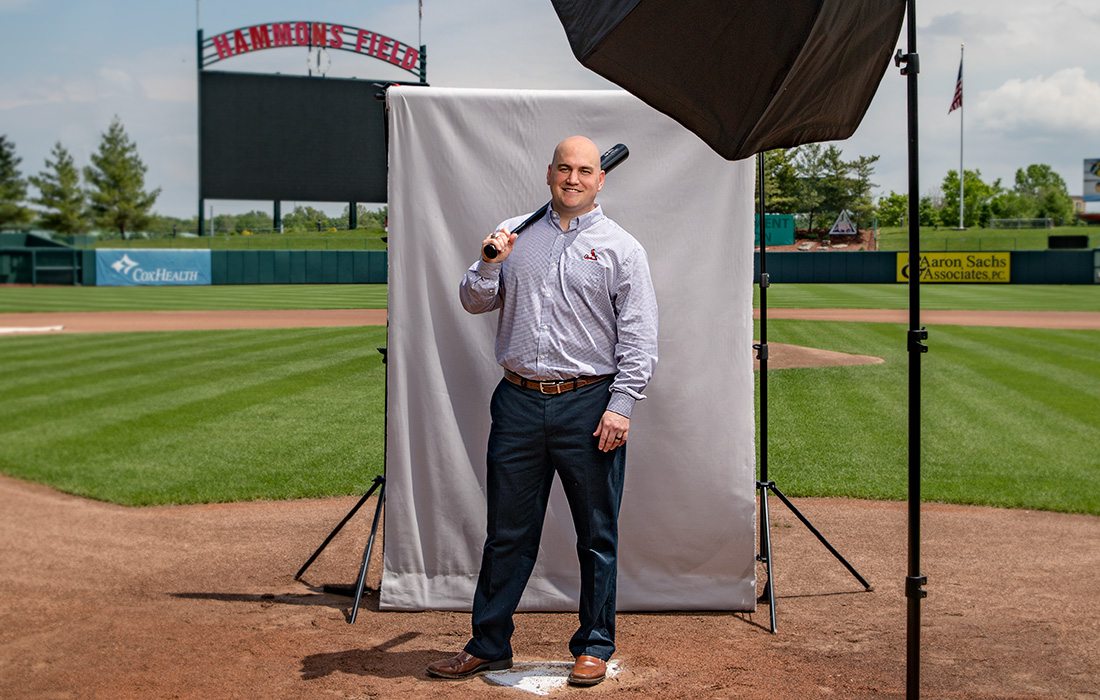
[129,267]
[958,267]
[1091,190]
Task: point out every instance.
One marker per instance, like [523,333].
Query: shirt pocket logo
[591,255]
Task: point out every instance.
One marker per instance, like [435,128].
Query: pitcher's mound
[783,356]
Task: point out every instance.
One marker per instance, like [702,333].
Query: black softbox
[746,76]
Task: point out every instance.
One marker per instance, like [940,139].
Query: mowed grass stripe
[51,358]
[135,381]
[126,392]
[221,297]
[977,297]
[992,433]
[306,421]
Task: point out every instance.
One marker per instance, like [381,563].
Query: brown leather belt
[553,386]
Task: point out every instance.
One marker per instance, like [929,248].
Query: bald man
[577,339]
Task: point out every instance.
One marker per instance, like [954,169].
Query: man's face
[575,177]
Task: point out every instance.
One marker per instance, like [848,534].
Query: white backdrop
[461,161]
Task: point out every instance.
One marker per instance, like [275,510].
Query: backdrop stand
[379,484]
[764,485]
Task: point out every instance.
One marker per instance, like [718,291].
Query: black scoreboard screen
[275,138]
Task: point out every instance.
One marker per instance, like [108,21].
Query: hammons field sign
[958,267]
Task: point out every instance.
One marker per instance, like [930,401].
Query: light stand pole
[914,580]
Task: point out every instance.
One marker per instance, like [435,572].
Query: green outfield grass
[945,238]
[977,297]
[147,418]
[1009,416]
[275,296]
[373,296]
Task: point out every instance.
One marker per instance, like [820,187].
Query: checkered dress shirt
[572,303]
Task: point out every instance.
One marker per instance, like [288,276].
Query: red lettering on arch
[282,34]
[301,33]
[259,36]
[337,41]
[317,37]
[221,43]
[360,39]
[240,45]
[412,57]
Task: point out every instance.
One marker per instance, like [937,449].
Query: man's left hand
[612,431]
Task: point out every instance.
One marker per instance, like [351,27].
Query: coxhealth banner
[958,267]
[131,267]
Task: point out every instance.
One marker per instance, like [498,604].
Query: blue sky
[1032,84]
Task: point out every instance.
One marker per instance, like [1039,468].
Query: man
[577,339]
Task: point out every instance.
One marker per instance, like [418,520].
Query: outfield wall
[1027,267]
[69,266]
[277,266]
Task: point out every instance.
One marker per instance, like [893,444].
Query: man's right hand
[502,241]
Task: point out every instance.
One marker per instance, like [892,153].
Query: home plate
[31,329]
[540,677]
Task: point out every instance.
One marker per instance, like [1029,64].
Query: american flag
[957,102]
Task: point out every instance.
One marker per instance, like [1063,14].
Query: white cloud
[1066,102]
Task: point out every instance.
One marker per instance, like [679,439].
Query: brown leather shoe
[462,665]
[588,670]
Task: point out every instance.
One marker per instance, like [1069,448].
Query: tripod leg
[766,552]
[362,580]
[339,526]
[820,537]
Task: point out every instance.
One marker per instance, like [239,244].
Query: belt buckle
[550,387]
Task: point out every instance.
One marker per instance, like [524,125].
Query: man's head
[574,176]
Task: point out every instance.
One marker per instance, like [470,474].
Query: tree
[305,219]
[1045,191]
[979,197]
[59,193]
[116,179]
[780,183]
[860,203]
[809,163]
[893,209]
[13,189]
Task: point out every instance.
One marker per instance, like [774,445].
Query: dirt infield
[102,601]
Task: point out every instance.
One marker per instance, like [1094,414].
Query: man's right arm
[480,290]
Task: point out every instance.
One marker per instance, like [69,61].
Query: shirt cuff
[488,270]
[621,403]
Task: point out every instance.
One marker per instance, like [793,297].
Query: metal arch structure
[309,35]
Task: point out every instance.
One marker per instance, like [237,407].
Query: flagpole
[961,171]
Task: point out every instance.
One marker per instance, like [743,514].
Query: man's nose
[573,177]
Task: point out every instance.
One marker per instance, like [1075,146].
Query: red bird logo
[591,255]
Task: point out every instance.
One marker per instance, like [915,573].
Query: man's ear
[599,185]
[549,169]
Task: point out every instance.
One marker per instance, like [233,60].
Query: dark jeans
[532,437]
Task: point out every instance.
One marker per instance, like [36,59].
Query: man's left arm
[635,349]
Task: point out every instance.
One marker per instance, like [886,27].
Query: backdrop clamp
[914,587]
[915,336]
[911,61]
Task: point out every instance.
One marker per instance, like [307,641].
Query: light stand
[914,580]
[764,485]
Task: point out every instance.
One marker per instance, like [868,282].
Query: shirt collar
[578,223]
